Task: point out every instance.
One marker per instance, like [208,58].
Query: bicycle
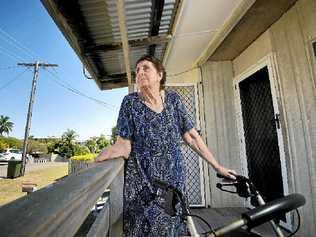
[174,204]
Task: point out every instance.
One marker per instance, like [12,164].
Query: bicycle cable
[205,222]
[298,224]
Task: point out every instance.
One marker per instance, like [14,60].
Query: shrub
[36,146]
[3,145]
[80,150]
[11,142]
[86,157]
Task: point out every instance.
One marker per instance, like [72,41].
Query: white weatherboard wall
[290,40]
[220,125]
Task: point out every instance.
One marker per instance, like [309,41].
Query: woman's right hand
[121,148]
[229,173]
[104,155]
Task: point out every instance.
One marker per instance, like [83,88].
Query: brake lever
[220,186]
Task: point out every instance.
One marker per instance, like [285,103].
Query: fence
[74,166]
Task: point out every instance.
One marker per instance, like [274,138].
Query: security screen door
[261,140]
[260,135]
[194,164]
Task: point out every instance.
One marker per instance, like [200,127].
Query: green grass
[11,189]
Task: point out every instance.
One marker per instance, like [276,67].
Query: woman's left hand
[226,172]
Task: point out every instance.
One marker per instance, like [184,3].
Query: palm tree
[5,125]
[69,137]
[68,142]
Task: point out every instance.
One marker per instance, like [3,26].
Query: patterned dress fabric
[156,154]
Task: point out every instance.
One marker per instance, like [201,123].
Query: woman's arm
[121,148]
[194,140]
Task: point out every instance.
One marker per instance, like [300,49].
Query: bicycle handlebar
[271,209]
[262,214]
[251,218]
[224,177]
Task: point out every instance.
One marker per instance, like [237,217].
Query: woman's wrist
[217,167]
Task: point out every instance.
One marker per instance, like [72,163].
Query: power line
[12,45]
[32,54]
[77,92]
[13,80]
[8,67]
[18,45]
[11,55]
[25,50]
[179,73]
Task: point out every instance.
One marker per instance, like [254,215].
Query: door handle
[277,120]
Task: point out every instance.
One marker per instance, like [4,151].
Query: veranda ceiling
[182,33]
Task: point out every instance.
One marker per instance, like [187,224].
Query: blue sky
[55,109]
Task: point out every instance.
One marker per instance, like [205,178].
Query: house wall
[220,126]
[257,50]
[215,89]
[290,40]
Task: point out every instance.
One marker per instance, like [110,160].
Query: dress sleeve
[125,125]
[185,119]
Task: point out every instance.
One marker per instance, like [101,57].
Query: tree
[3,145]
[102,142]
[96,144]
[67,146]
[11,142]
[69,137]
[36,146]
[80,150]
[113,135]
[5,125]
[64,146]
[91,143]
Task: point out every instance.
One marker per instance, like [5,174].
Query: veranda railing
[61,208]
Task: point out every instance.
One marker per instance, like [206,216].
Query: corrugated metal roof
[94,26]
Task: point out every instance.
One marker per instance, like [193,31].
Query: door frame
[268,61]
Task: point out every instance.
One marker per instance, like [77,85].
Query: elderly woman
[151,124]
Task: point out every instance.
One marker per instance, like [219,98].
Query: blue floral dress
[155,154]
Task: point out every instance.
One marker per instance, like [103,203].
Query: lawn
[11,189]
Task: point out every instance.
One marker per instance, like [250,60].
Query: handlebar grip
[271,209]
[219,185]
[224,177]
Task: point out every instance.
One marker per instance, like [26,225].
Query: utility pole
[36,66]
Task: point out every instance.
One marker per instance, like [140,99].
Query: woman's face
[147,76]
